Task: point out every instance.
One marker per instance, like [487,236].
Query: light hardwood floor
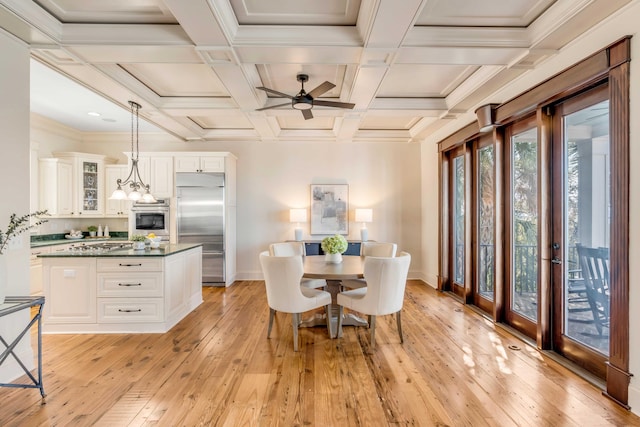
[217,367]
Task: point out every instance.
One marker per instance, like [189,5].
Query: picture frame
[329,209]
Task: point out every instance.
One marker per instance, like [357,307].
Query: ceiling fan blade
[318,91]
[333,104]
[274,106]
[307,114]
[275,92]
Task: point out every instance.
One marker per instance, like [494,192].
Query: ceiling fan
[304,101]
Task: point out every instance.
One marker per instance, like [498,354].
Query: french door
[459,219]
[485,253]
[522,252]
[581,229]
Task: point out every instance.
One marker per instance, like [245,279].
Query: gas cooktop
[99,247]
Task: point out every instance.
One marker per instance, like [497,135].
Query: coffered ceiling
[410,67]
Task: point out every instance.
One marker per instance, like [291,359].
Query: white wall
[274,177]
[430,214]
[14,175]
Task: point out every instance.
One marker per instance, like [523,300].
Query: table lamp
[298,216]
[364,216]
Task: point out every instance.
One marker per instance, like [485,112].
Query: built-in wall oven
[151,218]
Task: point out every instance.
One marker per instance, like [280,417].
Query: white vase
[3,278]
[138,246]
[333,258]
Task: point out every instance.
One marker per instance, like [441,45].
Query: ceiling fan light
[302,104]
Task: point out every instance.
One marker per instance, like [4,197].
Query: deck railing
[525,267]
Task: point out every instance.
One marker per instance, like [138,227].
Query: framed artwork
[329,209]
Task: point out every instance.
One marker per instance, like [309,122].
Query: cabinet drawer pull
[124,310]
[129,284]
[130,265]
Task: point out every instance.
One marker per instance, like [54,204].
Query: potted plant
[92,230]
[138,241]
[334,247]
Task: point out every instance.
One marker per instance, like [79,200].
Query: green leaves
[18,225]
[334,245]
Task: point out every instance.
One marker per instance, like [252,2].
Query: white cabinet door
[56,186]
[89,187]
[211,164]
[161,179]
[64,189]
[70,288]
[111,175]
[199,164]
[35,270]
[186,164]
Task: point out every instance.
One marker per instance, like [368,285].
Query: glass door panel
[524,225]
[486,226]
[89,186]
[587,205]
[459,220]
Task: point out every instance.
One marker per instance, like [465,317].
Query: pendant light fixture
[133,180]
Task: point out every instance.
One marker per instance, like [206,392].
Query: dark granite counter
[86,241]
[163,251]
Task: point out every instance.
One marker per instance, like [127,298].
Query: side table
[12,305]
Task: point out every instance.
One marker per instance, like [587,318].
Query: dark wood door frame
[609,64]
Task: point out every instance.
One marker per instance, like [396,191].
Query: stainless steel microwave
[151,218]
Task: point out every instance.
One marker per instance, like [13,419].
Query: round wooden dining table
[351,267]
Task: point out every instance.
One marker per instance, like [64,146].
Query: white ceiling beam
[34,15]
[125,34]
[391,23]
[199,21]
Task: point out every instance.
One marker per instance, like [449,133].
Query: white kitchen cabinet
[70,291]
[127,294]
[115,208]
[157,172]
[196,163]
[130,290]
[35,269]
[56,186]
[85,189]
[161,176]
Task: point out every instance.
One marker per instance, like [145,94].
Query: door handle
[556,260]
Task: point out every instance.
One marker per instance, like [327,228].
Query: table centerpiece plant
[17,225]
[334,247]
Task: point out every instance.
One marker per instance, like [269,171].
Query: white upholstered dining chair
[291,249]
[380,249]
[282,281]
[384,294]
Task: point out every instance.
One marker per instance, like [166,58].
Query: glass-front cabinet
[87,184]
[89,190]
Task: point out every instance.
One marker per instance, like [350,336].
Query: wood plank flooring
[217,368]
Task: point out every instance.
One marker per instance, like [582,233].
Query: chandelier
[133,180]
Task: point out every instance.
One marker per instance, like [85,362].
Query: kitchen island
[121,290]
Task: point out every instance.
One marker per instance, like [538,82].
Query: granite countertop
[86,241]
[163,251]
[42,240]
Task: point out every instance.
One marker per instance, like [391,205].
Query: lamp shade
[364,215]
[297,215]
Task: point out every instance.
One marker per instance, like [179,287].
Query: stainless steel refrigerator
[200,219]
